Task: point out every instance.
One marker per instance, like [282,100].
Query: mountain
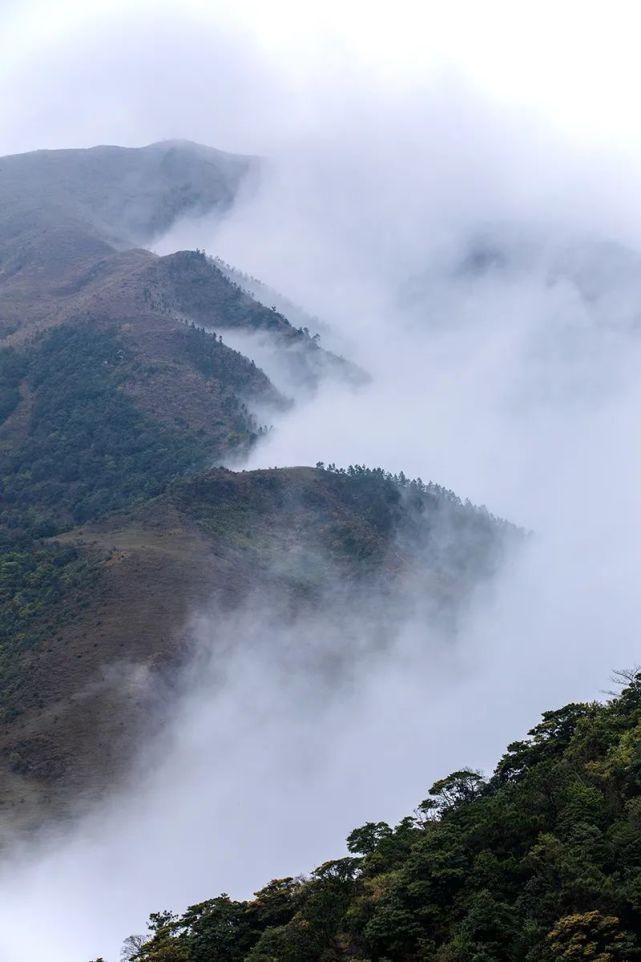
[110,197]
[135,327]
[119,397]
[598,281]
[72,223]
[88,612]
[267,295]
[540,862]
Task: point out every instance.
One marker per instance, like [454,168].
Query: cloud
[250,76]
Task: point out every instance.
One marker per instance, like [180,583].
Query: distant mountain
[113,196]
[600,277]
[73,226]
[63,212]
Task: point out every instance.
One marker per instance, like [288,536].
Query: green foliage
[31,582]
[40,586]
[12,370]
[456,789]
[206,351]
[422,493]
[82,450]
[88,449]
[365,840]
[591,937]
[541,863]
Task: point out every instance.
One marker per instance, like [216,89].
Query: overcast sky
[250,74]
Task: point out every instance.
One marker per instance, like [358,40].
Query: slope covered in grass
[352,551]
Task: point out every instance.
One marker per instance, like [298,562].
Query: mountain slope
[120,595]
[188,284]
[541,862]
[94,419]
[71,223]
[65,219]
[65,213]
[122,196]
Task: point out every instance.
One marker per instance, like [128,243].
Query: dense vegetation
[40,586]
[540,862]
[32,581]
[86,449]
[429,493]
[75,447]
[12,369]
[206,351]
[445,532]
[204,292]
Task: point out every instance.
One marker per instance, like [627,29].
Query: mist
[482,266]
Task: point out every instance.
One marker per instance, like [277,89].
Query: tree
[132,947]
[364,840]
[591,937]
[456,789]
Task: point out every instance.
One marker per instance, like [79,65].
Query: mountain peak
[119,196]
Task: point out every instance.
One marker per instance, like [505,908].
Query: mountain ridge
[119,402]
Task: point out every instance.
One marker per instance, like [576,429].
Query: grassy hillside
[539,863]
[111,391]
[70,221]
[105,603]
[67,219]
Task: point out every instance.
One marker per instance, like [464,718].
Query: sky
[250,74]
[398,141]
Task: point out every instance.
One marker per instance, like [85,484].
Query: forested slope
[87,611]
[541,862]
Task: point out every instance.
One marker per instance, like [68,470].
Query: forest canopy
[539,862]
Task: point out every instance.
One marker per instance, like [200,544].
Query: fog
[478,255]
